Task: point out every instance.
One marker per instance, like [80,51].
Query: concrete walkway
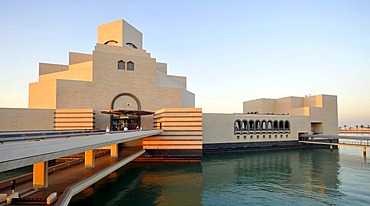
[61,179]
[23,153]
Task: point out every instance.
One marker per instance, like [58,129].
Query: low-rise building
[268,123]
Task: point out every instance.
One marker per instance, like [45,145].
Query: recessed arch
[126,94]
[111,41]
[131,45]
[121,95]
[245,126]
[269,125]
[281,126]
[287,126]
[275,126]
[263,125]
[237,126]
[258,126]
[251,126]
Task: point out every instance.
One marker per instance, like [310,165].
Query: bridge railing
[7,136]
[355,142]
[344,139]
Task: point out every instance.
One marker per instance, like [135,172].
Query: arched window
[263,126]
[121,65]
[269,125]
[130,66]
[287,126]
[281,126]
[245,126]
[258,126]
[251,126]
[237,126]
[131,45]
[276,126]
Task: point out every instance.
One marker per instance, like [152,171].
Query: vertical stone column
[114,150]
[90,158]
[40,175]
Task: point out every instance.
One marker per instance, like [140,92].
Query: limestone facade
[182,133]
[19,119]
[269,121]
[117,65]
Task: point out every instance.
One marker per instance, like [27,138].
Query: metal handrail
[50,135]
[322,136]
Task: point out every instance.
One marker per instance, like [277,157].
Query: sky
[230,51]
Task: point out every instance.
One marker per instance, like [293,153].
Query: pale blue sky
[230,51]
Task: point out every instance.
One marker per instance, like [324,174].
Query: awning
[126,112]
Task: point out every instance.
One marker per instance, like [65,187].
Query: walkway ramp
[68,182]
[23,153]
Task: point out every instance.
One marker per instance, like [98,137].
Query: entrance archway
[128,121]
[126,94]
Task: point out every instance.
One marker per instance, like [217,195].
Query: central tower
[120,33]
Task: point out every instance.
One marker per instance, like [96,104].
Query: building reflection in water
[271,177]
[147,184]
[264,177]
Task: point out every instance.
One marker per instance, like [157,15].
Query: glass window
[130,66]
[121,65]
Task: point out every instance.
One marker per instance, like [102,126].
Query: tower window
[121,65]
[130,66]
[131,45]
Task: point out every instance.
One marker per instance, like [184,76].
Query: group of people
[125,129]
[138,128]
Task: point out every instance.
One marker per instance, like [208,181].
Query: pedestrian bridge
[37,150]
[16,154]
[333,140]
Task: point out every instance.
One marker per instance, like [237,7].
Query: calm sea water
[285,177]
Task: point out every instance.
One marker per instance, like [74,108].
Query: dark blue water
[285,177]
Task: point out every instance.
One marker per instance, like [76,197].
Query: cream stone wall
[162,67]
[132,35]
[321,109]
[92,81]
[120,31]
[78,71]
[266,105]
[164,80]
[219,128]
[46,68]
[75,58]
[15,119]
[42,95]
[188,99]
[325,112]
[111,31]
[305,115]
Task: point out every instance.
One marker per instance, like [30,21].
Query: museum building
[121,86]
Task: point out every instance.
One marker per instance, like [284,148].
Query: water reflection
[271,177]
[147,184]
[286,177]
